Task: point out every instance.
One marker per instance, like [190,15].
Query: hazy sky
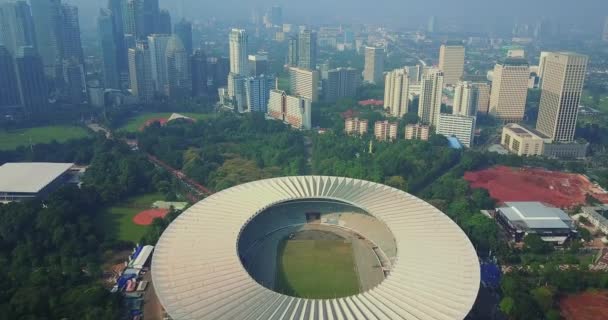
[374,11]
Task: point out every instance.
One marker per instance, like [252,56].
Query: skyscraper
[396,92]
[183,29]
[158,48]
[151,18]
[276,15]
[238,51]
[9,89]
[178,69]
[431,93]
[107,40]
[483,97]
[561,95]
[200,73]
[510,89]
[341,83]
[47,26]
[432,25]
[70,32]
[118,10]
[466,98]
[33,86]
[236,91]
[451,62]
[304,83]
[258,64]
[257,90]
[292,54]
[140,72]
[163,25]
[16,26]
[605,33]
[75,88]
[374,65]
[307,49]
[541,65]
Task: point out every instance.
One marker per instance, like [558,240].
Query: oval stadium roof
[197,273]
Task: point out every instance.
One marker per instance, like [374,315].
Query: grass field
[118,220]
[317,269]
[14,138]
[136,123]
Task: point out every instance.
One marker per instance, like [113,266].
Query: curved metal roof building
[197,272]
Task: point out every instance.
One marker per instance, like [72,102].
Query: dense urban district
[107,136]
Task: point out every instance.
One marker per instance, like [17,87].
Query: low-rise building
[417,132]
[355,126]
[293,110]
[459,126]
[523,141]
[597,216]
[522,218]
[385,130]
[26,181]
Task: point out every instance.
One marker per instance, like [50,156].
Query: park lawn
[318,269]
[117,221]
[134,124]
[12,139]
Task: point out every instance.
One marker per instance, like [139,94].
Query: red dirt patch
[145,218]
[585,306]
[161,121]
[563,190]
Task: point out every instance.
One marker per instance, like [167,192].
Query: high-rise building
[16,26]
[510,89]
[292,54]
[385,130]
[183,29]
[466,98]
[47,17]
[432,25]
[164,22]
[374,65]
[236,91]
[431,91]
[414,73]
[276,16]
[396,92]
[341,83]
[459,126]
[70,34]
[218,69]
[293,110]
[258,64]
[118,10]
[133,18]
[158,44]
[9,89]
[356,126]
[417,132]
[483,97]
[178,69]
[307,49]
[74,81]
[151,17]
[541,65]
[33,86]
[106,34]
[257,89]
[140,72]
[304,83]
[238,51]
[561,94]
[451,62]
[200,74]
[605,33]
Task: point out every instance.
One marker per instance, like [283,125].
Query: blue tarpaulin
[490,274]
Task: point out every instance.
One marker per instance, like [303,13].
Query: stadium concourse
[208,263]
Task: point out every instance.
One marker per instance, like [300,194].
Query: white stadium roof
[30,177]
[197,272]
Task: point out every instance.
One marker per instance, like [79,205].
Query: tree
[506,305]
[536,245]
[396,182]
[543,296]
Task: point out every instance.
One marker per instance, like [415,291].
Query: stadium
[315,248]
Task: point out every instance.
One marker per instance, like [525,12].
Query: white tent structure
[197,272]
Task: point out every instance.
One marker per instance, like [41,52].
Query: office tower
[140,72]
[292,54]
[483,97]
[258,64]
[276,16]
[304,83]
[236,91]
[307,49]
[151,18]
[414,73]
[293,110]
[183,29]
[33,86]
[429,105]
[107,42]
[163,24]
[385,131]
[459,126]
[451,62]
[257,91]
[431,25]
[510,89]
[238,51]
[466,99]
[16,26]
[118,10]
[133,19]
[561,95]
[9,90]
[74,81]
[417,132]
[158,44]
[70,32]
[218,70]
[374,65]
[47,27]
[178,69]
[396,92]
[341,83]
[356,126]
[198,63]
[605,33]
[541,66]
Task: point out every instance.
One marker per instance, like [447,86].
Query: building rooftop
[535,215]
[29,177]
[522,131]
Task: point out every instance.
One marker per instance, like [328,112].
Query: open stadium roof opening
[198,274]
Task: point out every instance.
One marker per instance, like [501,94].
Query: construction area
[585,306]
[562,190]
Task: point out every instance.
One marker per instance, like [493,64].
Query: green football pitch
[316,269]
